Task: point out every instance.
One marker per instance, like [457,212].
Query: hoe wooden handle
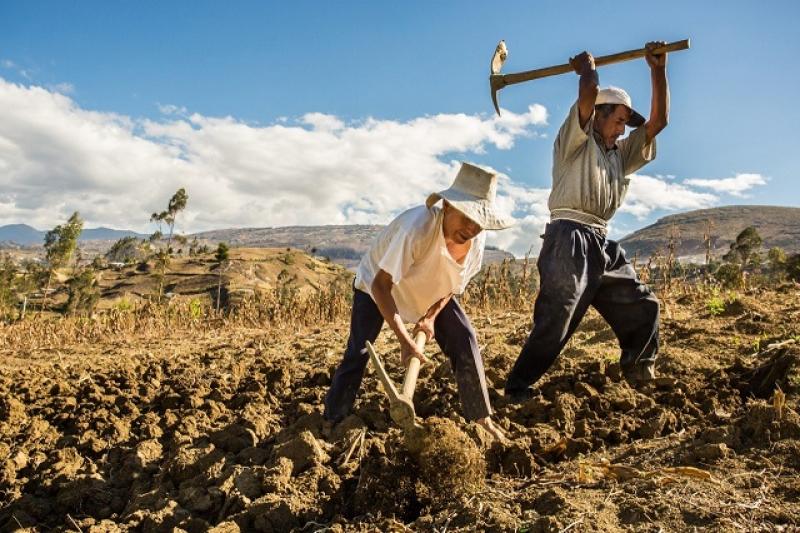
[410,382]
[509,79]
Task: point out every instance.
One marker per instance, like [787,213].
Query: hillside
[248,271]
[778,226]
[343,245]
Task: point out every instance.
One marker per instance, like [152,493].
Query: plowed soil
[223,431]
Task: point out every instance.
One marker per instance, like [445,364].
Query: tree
[8,278]
[125,250]
[175,205]
[745,248]
[793,267]
[33,276]
[83,292]
[777,257]
[59,244]
[221,257]
[730,275]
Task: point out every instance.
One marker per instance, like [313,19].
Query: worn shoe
[516,397]
[639,374]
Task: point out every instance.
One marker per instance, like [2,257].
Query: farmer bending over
[410,274]
[578,265]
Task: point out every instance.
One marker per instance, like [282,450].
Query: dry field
[170,420]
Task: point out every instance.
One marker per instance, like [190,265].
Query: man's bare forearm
[588,87]
[382,294]
[659,107]
[437,307]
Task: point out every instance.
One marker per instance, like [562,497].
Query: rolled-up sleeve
[635,151]
[398,253]
[571,137]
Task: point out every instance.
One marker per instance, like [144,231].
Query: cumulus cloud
[56,157]
[63,88]
[647,194]
[735,186]
[529,208]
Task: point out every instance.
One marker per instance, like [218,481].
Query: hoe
[401,406]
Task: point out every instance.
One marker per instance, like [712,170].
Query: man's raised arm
[659,107]
[588,86]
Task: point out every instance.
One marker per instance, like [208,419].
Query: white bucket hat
[473,193]
[615,95]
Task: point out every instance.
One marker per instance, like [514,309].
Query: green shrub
[715,305]
[195,308]
[124,304]
[729,275]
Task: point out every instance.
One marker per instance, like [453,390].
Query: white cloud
[529,208]
[170,109]
[735,186]
[9,64]
[63,88]
[56,157]
[647,194]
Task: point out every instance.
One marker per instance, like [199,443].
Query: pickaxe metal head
[496,81]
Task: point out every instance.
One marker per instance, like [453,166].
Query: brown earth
[223,431]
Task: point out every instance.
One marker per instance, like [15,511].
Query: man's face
[457,227]
[612,127]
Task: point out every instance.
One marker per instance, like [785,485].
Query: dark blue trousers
[455,337]
[579,267]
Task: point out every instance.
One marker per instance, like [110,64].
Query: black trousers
[579,267]
[455,337]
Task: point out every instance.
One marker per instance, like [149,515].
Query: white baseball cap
[615,95]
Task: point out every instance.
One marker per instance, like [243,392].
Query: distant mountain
[21,234]
[26,235]
[778,226]
[108,234]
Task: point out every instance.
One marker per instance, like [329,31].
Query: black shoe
[516,397]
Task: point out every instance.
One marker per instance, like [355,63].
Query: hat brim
[636,119]
[480,211]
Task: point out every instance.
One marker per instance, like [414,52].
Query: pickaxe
[401,405]
[497,81]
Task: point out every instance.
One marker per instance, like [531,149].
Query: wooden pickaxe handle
[412,372]
[519,77]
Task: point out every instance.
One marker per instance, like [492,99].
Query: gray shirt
[589,182]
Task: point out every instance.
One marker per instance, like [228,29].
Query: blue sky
[210,84]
